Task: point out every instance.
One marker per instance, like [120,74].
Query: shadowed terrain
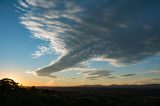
[11,94]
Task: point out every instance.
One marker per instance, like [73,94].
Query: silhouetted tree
[8,85]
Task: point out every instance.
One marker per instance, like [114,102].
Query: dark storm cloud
[126,31]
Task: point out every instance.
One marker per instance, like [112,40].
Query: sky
[80,42]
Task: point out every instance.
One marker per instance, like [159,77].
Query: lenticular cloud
[122,31]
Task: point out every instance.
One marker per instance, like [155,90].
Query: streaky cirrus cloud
[124,31]
[42,50]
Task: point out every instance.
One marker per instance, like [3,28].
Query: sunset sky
[80,42]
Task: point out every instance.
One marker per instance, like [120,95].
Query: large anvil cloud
[126,31]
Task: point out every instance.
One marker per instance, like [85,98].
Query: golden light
[11,73]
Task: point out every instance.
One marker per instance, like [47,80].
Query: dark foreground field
[148,95]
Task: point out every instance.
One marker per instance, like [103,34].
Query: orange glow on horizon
[29,79]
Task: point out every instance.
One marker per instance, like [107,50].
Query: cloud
[30,72]
[121,32]
[42,50]
[23,4]
[112,77]
[97,73]
[40,3]
[148,81]
[91,73]
[151,72]
[155,79]
[128,75]
[142,73]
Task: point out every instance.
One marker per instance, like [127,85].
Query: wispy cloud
[151,72]
[142,73]
[148,81]
[122,32]
[91,73]
[97,74]
[112,77]
[42,50]
[23,4]
[128,75]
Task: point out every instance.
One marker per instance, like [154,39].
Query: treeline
[13,94]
